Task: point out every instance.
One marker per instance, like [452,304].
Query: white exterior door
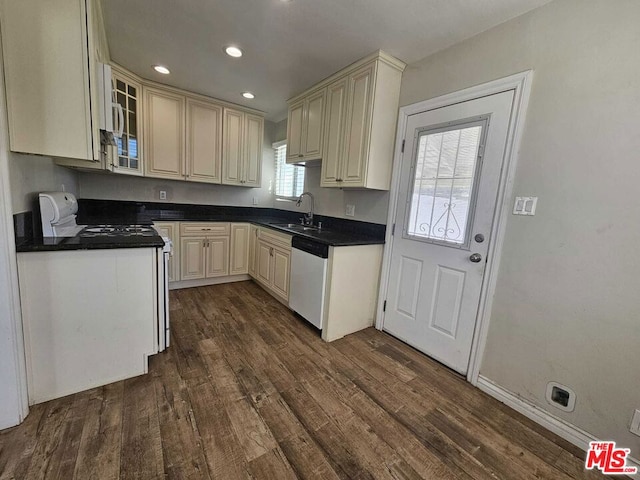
[450,175]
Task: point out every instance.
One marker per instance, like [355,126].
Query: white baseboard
[208,281]
[562,428]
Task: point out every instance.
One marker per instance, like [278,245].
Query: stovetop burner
[118,231]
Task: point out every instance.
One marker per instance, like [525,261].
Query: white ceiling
[288,46]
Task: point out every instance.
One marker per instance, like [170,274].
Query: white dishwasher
[308,279]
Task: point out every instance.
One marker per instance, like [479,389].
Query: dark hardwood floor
[248,390]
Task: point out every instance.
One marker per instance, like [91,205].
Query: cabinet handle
[300,155]
[271,251]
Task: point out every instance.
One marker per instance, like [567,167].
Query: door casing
[520,83]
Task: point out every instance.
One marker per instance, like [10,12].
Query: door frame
[520,84]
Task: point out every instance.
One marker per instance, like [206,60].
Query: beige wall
[122,187]
[371,206]
[567,307]
[30,175]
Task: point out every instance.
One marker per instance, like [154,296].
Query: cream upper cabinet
[240,249]
[126,156]
[305,128]
[360,123]
[233,127]
[204,141]
[242,148]
[50,68]
[335,127]
[252,158]
[164,133]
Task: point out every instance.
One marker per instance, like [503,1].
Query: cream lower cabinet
[172,231]
[240,240]
[273,262]
[253,247]
[204,250]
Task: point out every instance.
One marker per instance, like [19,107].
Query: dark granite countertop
[48,244]
[335,231]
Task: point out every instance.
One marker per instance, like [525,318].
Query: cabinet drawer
[275,238]
[204,228]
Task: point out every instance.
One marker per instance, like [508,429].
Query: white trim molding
[562,428]
[520,84]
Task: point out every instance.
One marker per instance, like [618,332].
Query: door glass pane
[442,184]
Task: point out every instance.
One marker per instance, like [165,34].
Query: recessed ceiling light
[233,51]
[161,69]
[248,95]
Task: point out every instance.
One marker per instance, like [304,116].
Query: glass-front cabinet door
[127,155]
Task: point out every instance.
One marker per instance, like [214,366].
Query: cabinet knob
[300,155]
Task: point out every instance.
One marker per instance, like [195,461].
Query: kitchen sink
[297,227]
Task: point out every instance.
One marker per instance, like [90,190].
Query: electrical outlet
[255,200]
[350,211]
[635,423]
[163,194]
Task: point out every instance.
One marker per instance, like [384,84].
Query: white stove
[118,231]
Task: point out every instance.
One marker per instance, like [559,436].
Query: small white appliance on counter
[58,214]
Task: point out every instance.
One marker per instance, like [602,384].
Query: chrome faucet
[308,217]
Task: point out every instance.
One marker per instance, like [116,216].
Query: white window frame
[275,146]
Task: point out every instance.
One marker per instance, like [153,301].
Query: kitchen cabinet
[82,331]
[273,262]
[164,125]
[240,252]
[242,148]
[305,128]
[204,141]
[204,250]
[126,156]
[253,246]
[358,108]
[360,124]
[51,52]
[172,231]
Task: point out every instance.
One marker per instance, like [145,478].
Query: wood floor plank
[141,446]
[248,389]
[100,444]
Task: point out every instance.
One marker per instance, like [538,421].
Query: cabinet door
[127,157]
[252,148]
[263,267]
[192,258]
[281,260]
[334,133]
[314,125]
[47,64]
[239,261]
[253,249]
[232,156]
[217,253]
[356,149]
[294,132]
[164,133]
[171,229]
[204,141]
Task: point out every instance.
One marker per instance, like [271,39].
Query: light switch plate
[350,211]
[525,206]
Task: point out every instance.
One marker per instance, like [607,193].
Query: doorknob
[475,257]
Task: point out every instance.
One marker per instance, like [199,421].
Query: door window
[443,181]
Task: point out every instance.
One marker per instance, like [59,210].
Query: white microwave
[111,114]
